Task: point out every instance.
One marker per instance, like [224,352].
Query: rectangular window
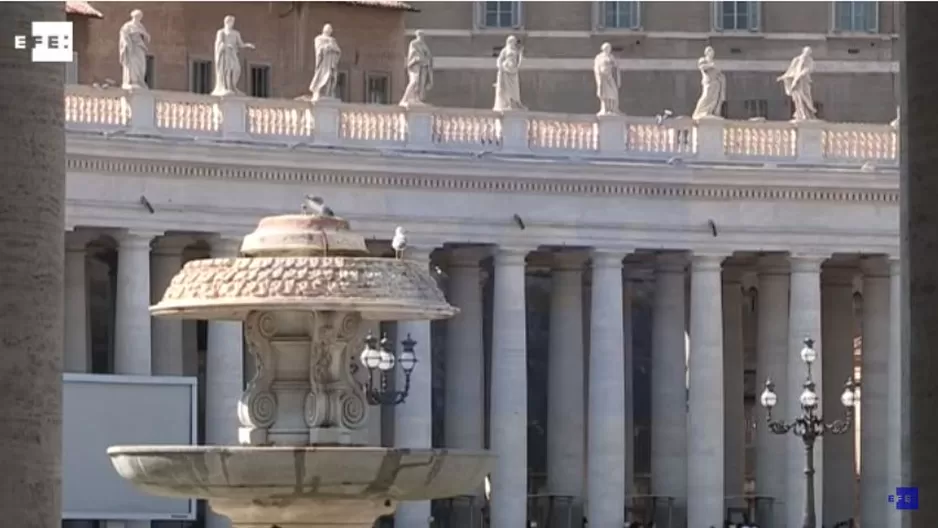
[736,16]
[149,77]
[756,108]
[377,88]
[619,15]
[341,87]
[260,80]
[500,14]
[856,16]
[71,70]
[200,76]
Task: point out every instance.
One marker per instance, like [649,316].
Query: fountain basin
[301,486]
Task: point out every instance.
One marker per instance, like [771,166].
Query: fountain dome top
[304,262]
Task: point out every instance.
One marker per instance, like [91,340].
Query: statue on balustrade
[797,82]
[228,44]
[419,72]
[326,77]
[895,122]
[508,78]
[132,52]
[608,80]
[712,87]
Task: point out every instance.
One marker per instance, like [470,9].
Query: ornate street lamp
[809,425]
[379,359]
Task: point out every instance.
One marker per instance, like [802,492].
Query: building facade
[658,44]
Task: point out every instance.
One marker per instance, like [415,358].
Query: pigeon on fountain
[316,206]
[399,242]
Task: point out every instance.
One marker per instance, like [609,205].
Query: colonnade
[698,422]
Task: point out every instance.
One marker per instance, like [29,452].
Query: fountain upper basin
[338,473]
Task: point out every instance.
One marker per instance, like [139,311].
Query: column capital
[171,245]
[466,256]
[806,263]
[607,258]
[706,262]
[838,276]
[875,266]
[225,246]
[512,254]
[136,239]
[570,260]
[671,262]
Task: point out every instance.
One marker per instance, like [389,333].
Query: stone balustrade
[433,129]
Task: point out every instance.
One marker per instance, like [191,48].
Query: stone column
[898,395]
[874,432]
[132,342]
[566,422]
[772,362]
[32,201]
[77,335]
[804,317]
[224,363]
[733,373]
[838,329]
[668,385]
[629,373]
[413,419]
[606,421]
[166,337]
[919,241]
[509,386]
[705,442]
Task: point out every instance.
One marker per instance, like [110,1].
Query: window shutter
[755,18]
[635,14]
[717,15]
[872,17]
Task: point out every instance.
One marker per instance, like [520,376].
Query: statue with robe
[797,82]
[895,122]
[419,72]
[507,78]
[608,80]
[712,87]
[326,76]
[133,41]
[228,44]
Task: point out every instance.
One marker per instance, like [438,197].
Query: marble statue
[797,81]
[608,80]
[895,122]
[507,80]
[228,44]
[328,53]
[712,87]
[419,72]
[132,52]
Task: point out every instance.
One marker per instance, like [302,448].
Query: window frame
[342,92]
[369,75]
[479,13]
[149,74]
[249,81]
[191,77]
[874,29]
[754,16]
[599,18]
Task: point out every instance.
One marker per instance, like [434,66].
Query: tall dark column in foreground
[919,227]
[32,216]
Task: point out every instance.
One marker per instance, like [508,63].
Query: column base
[303,513]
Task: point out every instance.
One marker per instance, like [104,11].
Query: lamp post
[379,359]
[809,426]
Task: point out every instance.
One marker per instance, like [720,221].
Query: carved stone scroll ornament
[257,409]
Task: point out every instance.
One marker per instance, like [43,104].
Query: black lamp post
[379,359]
[809,426]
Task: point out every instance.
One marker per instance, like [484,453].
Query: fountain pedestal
[303,286]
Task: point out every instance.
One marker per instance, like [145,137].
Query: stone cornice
[655,182]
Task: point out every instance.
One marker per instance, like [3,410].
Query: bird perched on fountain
[399,242]
[316,206]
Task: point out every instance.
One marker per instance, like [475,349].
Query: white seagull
[399,242]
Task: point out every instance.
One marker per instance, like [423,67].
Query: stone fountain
[303,285]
